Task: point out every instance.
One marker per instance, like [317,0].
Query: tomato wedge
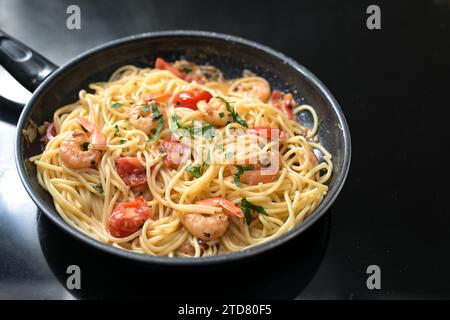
[189,99]
[131,171]
[283,102]
[159,98]
[128,217]
[267,132]
[162,64]
[176,153]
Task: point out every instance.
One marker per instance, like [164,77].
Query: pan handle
[25,65]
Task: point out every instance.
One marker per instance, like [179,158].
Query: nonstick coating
[232,55]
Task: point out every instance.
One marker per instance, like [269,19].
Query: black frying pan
[54,87]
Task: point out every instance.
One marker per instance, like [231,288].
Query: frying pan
[54,87]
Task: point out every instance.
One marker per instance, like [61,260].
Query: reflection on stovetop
[289,267]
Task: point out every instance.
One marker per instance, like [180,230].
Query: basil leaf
[247,207]
[236,117]
[158,130]
[155,111]
[197,171]
[194,170]
[241,169]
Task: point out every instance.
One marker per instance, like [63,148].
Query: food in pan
[178,161]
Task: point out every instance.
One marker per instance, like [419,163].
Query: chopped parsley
[194,170]
[241,169]
[207,130]
[122,141]
[116,105]
[197,171]
[236,117]
[247,207]
[221,114]
[116,130]
[158,130]
[187,70]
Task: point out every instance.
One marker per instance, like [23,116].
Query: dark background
[392,85]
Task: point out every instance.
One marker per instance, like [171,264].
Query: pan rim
[175,261]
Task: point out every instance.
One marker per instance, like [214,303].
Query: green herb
[156,113]
[122,141]
[98,188]
[247,206]
[158,130]
[197,171]
[221,114]
[187,70]
[116,130]
[208,129]
[241,169]
[116,104]
[177,124]
[194,170]
[236,117]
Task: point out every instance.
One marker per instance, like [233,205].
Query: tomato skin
[176,151]
[189,99]
[131,171]
[128,217]
[283,102]
[162,64]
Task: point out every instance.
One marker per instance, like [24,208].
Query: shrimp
[143,117]
[227,206]
[252,87]
[214,226]
[81,149]
[214,112]
[258,174]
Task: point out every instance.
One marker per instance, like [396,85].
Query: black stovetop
[387,82]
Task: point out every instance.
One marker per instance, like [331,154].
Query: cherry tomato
[176,153]
[189,99]
[128,217]
[162,64]
[131,171]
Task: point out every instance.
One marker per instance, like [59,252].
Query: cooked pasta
[177,161]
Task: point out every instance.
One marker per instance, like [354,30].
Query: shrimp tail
[98,139]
